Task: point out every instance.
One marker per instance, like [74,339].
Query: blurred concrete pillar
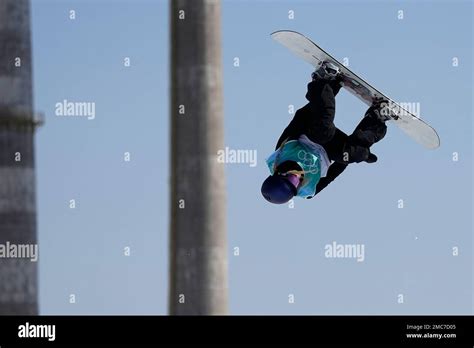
[198,245]
[18,276]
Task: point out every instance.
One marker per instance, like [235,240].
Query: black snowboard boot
[330,74]
[380,109]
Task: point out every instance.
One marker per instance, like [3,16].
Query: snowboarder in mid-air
[312,152]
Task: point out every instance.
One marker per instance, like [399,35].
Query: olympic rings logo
[309,160]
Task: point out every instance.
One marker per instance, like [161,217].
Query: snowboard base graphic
[315,55]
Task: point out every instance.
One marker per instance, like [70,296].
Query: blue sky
[407,251]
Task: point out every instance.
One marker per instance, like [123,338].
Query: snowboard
[412,125]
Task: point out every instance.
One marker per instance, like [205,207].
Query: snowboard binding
[327,71]
[383,110]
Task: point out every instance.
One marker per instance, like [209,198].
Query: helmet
[327,71]
[278,189]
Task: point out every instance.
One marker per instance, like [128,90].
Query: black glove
[354,152]
[372,158]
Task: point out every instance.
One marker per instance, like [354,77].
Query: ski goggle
[293,176]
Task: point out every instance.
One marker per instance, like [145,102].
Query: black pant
[316,120]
